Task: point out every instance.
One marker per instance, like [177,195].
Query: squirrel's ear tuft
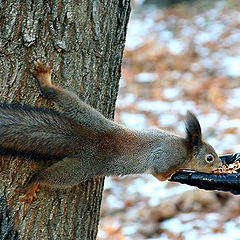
[193,129]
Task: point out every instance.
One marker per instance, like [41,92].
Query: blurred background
[179,56]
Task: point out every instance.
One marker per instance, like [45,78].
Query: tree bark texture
[83,40]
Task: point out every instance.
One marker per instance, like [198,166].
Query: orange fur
[30,193]
[42,74]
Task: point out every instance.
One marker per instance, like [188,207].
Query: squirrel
[86,144]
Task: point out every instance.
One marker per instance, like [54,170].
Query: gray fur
[108,148]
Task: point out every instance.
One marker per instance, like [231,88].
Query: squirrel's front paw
[30,193]
[43,75]
[161,176]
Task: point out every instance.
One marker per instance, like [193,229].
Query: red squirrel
[86,144]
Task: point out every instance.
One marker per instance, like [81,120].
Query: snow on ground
[178,59]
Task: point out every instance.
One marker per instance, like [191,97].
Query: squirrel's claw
[43,75]
[30,193]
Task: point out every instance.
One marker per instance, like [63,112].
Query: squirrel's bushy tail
[38,133]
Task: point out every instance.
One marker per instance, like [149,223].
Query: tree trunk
[83,41]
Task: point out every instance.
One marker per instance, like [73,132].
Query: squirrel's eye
[209,158]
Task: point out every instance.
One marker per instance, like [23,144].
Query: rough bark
[83,41]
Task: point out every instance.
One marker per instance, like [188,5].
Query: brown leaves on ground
[179,63]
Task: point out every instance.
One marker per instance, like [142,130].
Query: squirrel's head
[204,157]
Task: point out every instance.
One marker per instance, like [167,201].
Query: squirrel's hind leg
[30,193]
[60,175]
